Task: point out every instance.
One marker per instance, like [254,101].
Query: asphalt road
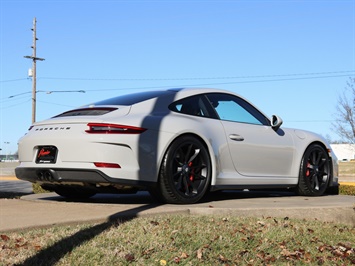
[9,183]
[15,186]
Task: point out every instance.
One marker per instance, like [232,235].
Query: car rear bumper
[74,176]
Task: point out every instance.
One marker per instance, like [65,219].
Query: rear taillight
[102,128]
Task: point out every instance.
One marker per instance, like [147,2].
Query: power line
[14,105]
[4,100]
[58,104]
[19,94]
[47,92]
[217,83]
[208,78]
[309,121]
[13,80]
[314,74]
[187,85]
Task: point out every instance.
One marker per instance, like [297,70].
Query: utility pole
[34,58]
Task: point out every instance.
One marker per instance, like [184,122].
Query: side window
[232,108]
[191,106]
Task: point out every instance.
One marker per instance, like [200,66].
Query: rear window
[87,111]
[133,98]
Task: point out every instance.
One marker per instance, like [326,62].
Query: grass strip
[185,240]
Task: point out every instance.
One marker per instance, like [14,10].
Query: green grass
[184,240]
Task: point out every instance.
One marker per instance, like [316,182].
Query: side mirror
[276,122]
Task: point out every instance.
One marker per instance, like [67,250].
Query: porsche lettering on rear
[52,128]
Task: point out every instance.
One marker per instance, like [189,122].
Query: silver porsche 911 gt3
[178,144]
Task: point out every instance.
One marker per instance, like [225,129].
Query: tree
[344,125]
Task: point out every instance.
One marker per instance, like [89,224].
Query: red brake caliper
[307,171]
[191,176]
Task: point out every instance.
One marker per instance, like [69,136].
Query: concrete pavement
[41,210]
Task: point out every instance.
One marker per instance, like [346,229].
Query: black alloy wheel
[185,174]
[315,172]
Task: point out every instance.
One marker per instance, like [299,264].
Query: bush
[347,190]
[38,189]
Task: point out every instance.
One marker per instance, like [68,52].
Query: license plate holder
[46,154]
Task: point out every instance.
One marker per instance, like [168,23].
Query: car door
[255,147]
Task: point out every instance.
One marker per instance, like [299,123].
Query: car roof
[136,97]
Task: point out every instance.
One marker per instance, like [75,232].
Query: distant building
[9,157]
[344,152]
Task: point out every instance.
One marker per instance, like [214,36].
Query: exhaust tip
[47,175]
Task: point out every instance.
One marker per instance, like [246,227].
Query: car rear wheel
[74,192]
[185,174]
[315,172]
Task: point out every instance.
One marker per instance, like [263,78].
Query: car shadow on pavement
[246,194]
[52,254]
[12,195]
[144,197]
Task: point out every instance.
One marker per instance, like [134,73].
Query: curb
[347,184]
[54,210]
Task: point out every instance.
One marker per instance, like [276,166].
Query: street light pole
[34,59]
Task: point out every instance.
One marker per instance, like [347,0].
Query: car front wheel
[315,172]
[185,174]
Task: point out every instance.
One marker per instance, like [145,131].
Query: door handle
[236,137]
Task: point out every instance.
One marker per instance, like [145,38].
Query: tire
[74,192]
[185,174]
[315,172]
[333,190]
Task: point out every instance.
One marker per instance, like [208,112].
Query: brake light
[107,165]
[102,128]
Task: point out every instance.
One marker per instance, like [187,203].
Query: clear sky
[290,58]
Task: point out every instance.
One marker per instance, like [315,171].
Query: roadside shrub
[38,189]
[347,190]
